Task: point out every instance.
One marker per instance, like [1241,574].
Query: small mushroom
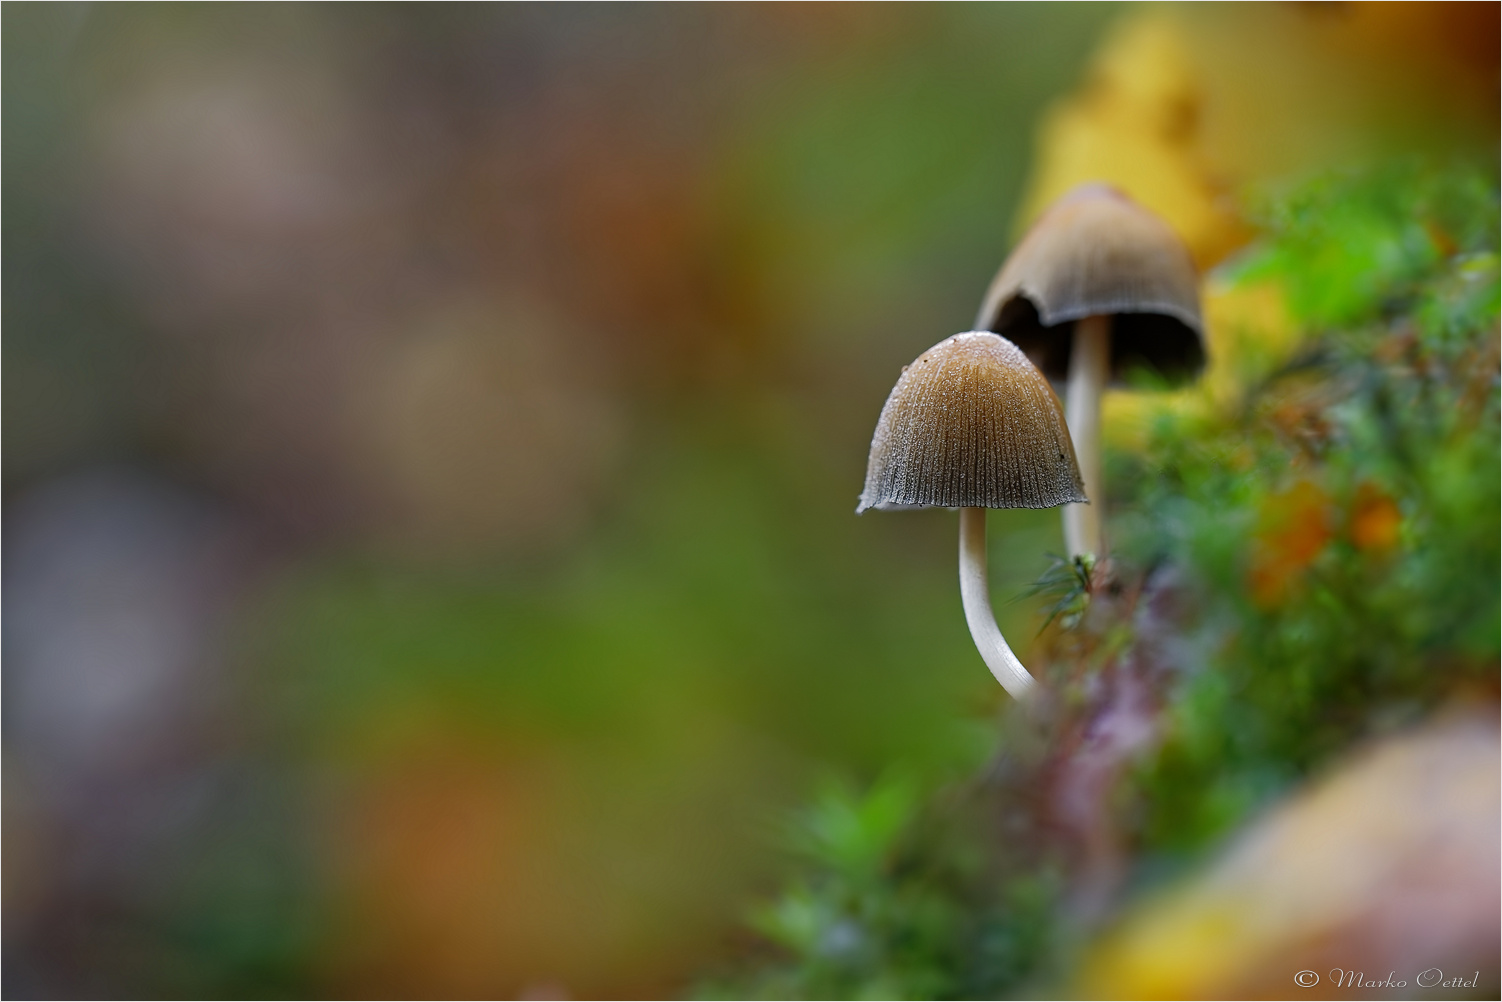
[972,424]
[1098,287]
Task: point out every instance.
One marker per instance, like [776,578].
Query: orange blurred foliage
[1293,527]
[437,872]
[1375,519]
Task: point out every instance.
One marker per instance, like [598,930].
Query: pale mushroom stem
[975,594]
[1089,363]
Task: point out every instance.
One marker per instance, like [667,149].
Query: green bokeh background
[677,666]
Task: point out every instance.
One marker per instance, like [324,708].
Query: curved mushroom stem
[1089,363]
[976,597]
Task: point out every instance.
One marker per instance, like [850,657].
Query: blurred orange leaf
[1375,519]
[1293,527]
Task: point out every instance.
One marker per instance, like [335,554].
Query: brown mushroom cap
[1095,252]
[971,423]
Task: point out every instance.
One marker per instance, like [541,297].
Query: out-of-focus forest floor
[1302,588]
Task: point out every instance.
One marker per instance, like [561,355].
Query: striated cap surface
[971,423]
[1094,252]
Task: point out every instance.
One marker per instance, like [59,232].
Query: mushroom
[972,424]
[1099,286]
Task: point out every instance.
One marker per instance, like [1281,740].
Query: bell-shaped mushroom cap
[1096,251]
[971,423]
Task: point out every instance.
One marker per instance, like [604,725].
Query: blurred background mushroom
[1098,288]
[429,434]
